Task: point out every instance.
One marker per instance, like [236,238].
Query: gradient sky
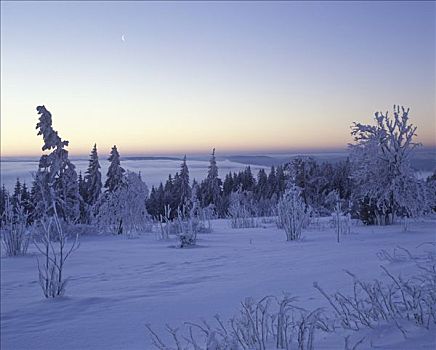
[237,76]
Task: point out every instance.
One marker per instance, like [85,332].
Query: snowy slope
[117,285]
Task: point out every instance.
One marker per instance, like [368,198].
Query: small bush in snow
[52,243]
[412,300]
[270,323]
[240,213]
[293,214]
[277,323]
[15,234]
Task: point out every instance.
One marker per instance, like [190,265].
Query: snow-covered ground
[117,285]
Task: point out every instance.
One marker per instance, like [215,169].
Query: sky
[190,76]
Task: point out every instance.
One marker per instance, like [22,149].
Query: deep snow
[117,285]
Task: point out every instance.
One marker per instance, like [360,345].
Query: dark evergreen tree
[115,174]
[211,186]
[16,196]
[183,185]
[272,183]
[281,180]
[4,198]
[228,184]
[82,191]
[92,182]
[262,185]
[248,181]
[26,202]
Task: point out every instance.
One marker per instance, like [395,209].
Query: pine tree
[228,184]
[169,195]
[35,200]
[16,196]
[211,186]
[281,180]
[248,181]
[56,176]
[92,182]
[262,185]
[184,188]
[4,197]
[115,174]
[26,202]
[272,182]
[82,191]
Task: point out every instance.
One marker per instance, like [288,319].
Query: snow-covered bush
[52,243]
[123,210]
[240,212]
[270,323]
[279,323]
[187,226]
[386,183]
[293,213]
[206,215]
[412,300]
[15,234]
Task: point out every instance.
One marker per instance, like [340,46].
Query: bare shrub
[293,214]
[52,243]
[15,234]
[240,212]
[258,326]
[373,302]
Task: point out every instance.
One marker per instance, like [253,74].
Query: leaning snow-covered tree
[123,210]
[381,166]
[56,172]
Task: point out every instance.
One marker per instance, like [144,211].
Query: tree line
[374,184]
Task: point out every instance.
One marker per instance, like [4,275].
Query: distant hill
[258,160]
[150,158]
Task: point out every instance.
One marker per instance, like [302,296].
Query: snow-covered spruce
[115,174]
[56,175]
[92,180]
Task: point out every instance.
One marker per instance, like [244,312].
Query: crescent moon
[123,38]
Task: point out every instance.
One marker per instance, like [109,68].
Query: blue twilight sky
[189,76]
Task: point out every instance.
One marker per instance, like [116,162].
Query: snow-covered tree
[56,176]
[292,213]
[211,186]
[92,181]
[241,210]
[4,198]
[381,166]
[115,174]
[123,210]
[183,186]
